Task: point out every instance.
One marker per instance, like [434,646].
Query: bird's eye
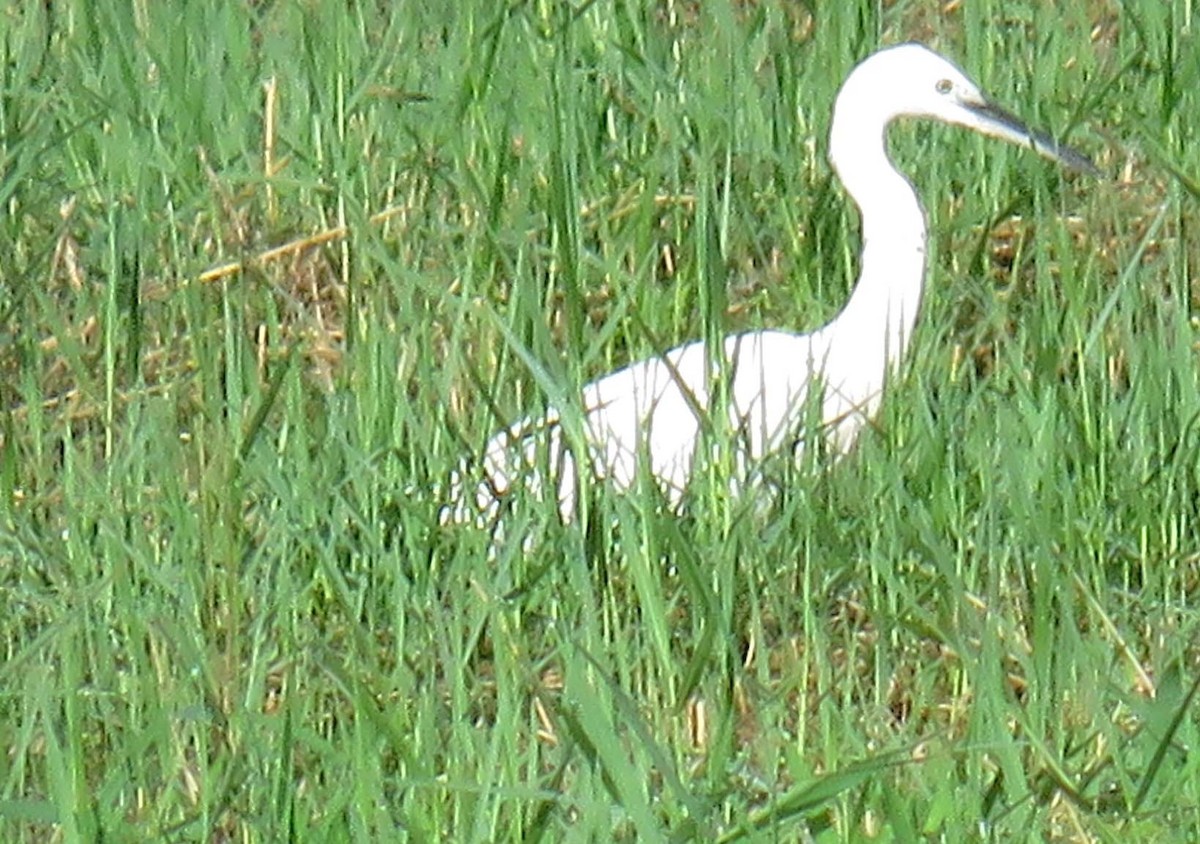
[943,86]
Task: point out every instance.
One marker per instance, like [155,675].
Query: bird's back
[658,410]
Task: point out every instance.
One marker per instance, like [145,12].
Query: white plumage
[652,409]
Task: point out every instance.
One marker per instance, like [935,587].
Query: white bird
[653,410]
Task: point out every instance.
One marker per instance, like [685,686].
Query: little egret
[653,410]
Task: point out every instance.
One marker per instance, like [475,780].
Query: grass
[229,610]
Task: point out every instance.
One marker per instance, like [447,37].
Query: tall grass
[229,609]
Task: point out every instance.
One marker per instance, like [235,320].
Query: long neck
[879,318]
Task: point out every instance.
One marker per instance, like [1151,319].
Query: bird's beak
[999,123]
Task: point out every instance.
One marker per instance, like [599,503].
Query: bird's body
[655,409]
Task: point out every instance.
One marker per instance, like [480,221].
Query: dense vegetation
[271,270]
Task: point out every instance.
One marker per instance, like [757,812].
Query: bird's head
[910,80]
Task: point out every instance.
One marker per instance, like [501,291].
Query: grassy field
[272,269]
